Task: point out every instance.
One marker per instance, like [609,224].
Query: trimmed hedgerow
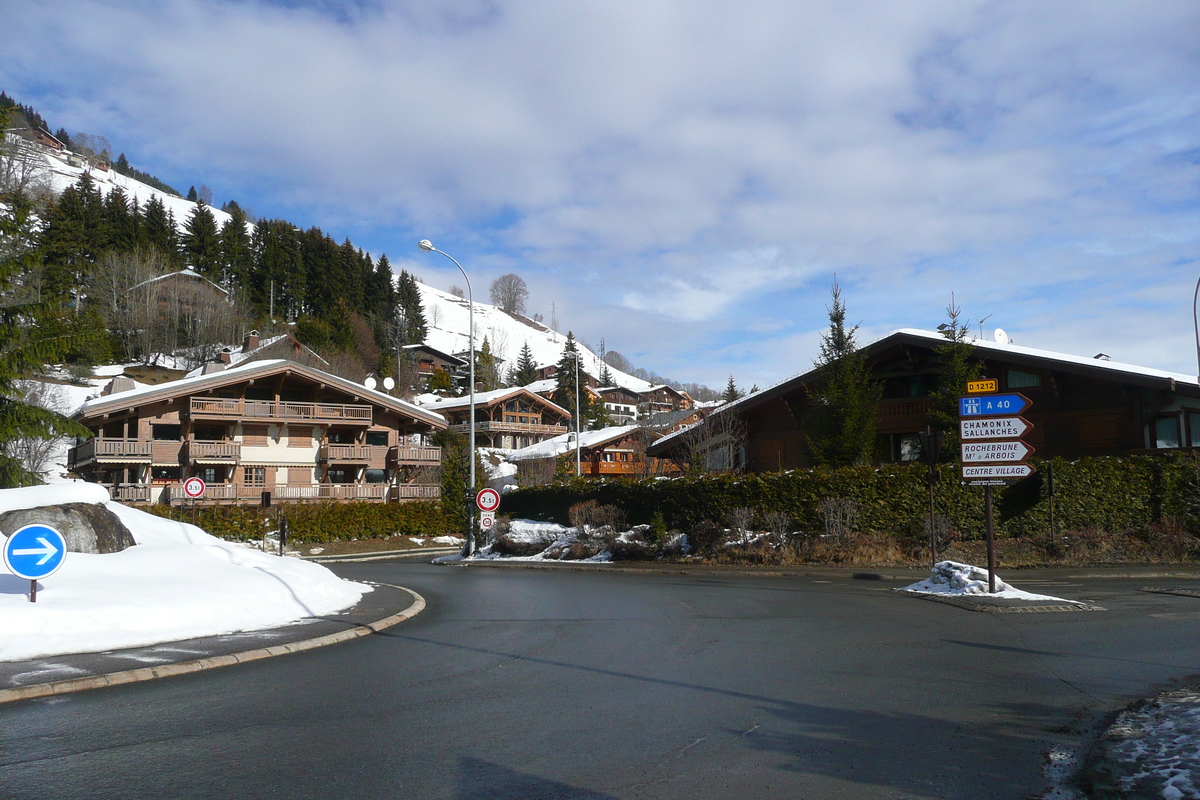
[1107,493]
[322,522]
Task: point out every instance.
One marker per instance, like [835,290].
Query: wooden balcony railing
[415,455]
[227,492]
[348,452]
[130,493]
[112,450]
[895,409]
[494,426]
[416,491]
[235,408]
[224,450]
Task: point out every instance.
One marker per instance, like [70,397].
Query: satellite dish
[370,383]
[388,383]
[1000,336]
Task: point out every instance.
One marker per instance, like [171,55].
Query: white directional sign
[993,428]
[980,452]
[993,471]
[34,552]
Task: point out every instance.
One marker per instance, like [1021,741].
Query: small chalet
[277,426]
[507,418]
[1080,406]
[548,388]
[255,348]
[620,403]
[608,452]
[429,360]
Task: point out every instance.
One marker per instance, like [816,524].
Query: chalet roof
[1008,353]
[433,351]
[187,272]
[565,443]
[234,375]
[488,399]
[239,354]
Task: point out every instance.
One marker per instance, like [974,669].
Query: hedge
[321,522]
[1112,494]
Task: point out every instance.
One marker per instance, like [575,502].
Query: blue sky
[684,179]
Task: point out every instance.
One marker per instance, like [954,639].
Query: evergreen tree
[956,366]
[201,243]
[73,238]
[844,398]
[566,388]
[457,494]
[64,137]
[731,392]
[526,371]
[191,195]
[237,251]
[158,230]
[411,327]
[486,371]
[121,220]
[278,284]
[606,378]
[31,334]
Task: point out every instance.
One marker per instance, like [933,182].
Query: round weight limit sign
[487,499]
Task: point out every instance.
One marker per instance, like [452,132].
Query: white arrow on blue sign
[34,552]
[988,405]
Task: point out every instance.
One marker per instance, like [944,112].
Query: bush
[322,522]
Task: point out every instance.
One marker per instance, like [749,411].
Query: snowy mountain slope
[448,318]
[61,175]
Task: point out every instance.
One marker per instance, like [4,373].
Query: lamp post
[1196,323]
[578,418]
[427,247]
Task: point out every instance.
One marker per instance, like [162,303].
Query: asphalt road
[556,684]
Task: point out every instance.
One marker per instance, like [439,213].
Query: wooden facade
[275,426]
[1080,407]
[505,418]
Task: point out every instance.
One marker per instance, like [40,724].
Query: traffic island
[378,610]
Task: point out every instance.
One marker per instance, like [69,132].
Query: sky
[686,179]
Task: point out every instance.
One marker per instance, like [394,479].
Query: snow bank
[953,578]
[178,583]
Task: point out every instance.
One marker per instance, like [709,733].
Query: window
[259,393]
[254,435]
[1165,432]
[906,447]
[339,476]
[299,475]
[208,433]
[341,436]
[606,456]
[209,474]
[299,437]
[1017,379]
[164,474]
[908,386]
[377,438]
[376,476]
[1194,428]
[254,476]
[166,433]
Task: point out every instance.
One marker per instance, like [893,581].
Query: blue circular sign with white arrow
[35,552]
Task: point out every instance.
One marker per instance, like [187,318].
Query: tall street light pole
[578,418]
[427,247]
[1196,323]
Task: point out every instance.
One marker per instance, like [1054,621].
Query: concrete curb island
[213,662]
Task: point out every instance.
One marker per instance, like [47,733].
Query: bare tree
[37,455]
[617,361]
[457,291]
[23,168]
[536,471]
[510,293]
[715,444]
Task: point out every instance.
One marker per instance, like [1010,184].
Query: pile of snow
[1154,747]
[953,578]
[177,583]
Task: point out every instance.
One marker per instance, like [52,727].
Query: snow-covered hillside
[449,323]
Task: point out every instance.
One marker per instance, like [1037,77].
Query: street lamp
[427,247]
[1196,323]
[578,418]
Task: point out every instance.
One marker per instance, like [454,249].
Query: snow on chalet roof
[186,272]
[565,443]
[199,382]
[239,354]
[481,399]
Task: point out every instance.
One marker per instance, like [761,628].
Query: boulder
[87,527]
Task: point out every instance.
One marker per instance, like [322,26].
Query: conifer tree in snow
[191,195]
[731,391]
[237,254]
[844,398]
[955,367]
[605,375]
[526,371]
[158,229]
[201,242]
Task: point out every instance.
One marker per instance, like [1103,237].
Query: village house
[264,426]
[1080,406]
[608,452]
[429,360]
[255,348]
[507,418]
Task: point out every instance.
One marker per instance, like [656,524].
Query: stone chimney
[251,342]
[121,383]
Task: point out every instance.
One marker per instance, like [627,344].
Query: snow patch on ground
[1154,747]
[953,578]
[177,583]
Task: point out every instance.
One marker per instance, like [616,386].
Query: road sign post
[34,552]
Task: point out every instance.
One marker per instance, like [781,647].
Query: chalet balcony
[493,426]
[352,453]
[111,451]
[415,456]
[213,452]
[130,493]
[288,492]
[283,411]
[906,411]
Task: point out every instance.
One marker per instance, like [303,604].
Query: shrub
[322,522]
[590,515]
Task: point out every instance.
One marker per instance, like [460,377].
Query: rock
[87,527]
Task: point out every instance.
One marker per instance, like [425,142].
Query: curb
[971,605]
[380,555]
[184,667]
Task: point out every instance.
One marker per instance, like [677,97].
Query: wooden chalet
[277,426]
[255,348]
[507,418]
[429,360]
[1080,406]
[608,452]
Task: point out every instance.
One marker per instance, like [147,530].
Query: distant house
[1080,406]
[185,288]
[620,403]
[548,388]
[608,452]
[276,426]
[508,418]
[39,136]
[255,348]
[429,360]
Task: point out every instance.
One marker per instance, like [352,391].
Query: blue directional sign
[988,405]
[35,552]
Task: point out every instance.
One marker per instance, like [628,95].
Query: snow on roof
[481,398]
[544,385]
[565,443]
[186,272]
[122,399]
[239,354]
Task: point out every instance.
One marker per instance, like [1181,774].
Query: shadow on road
[481,780]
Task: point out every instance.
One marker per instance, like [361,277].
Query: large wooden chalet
[1080,406]
[607,452]
[277,426]
[508,418]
